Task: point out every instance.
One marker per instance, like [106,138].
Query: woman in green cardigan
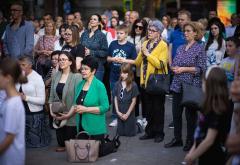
[91,102]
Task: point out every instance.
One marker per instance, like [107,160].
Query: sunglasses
[139,27]
[121,93]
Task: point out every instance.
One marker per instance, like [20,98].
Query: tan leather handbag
[82,150]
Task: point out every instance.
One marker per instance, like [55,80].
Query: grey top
[68,91]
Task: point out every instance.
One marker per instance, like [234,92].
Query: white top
[12,121]
[34,91]
[57,45]
[214,56]
[108,36]
[2,97]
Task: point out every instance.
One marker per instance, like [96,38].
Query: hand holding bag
[79,151]
[59,107]
[158,83]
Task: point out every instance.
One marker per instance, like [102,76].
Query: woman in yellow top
[152,52]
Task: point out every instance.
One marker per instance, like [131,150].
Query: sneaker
[113,123]
[171,125]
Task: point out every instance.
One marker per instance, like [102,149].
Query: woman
[91,101]
[72,44]
[60,41]
[167,29]
[138,33]
[114,22]
[153,52]
[44,48]
[33,97]
[216,46]
[188,66]
[137,37]
[95,43]
[63,89]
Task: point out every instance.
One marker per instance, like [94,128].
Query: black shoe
[188,145]
[170,125]
[158,139]
[145,137]
[174,143]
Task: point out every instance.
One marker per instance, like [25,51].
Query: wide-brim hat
[59,123]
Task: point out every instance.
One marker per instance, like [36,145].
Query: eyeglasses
[67,34]
[63,59]
[121,93]
[152,30]
[139,27]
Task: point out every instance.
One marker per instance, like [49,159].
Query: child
[211,131]
[125,95]
[12,117]
[228,63]
[118,51]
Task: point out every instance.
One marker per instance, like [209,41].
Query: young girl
[125,94]
[12,117]
[211,131]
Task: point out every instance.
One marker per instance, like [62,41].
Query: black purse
[192,96]
[158,83]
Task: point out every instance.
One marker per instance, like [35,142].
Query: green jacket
[94,124]
[68,91]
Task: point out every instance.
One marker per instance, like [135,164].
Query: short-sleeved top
[176,39]
[76,51]
[127,51]
[12,120]
[213,121]
[125,100]
[228,64]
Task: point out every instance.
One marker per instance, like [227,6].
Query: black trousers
[191,117]
[153,105]
[65,133]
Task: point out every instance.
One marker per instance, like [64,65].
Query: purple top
[195,56]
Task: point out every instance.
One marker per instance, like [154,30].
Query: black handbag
[158,83]
[192,96]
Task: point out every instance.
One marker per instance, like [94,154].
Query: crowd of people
[106,65]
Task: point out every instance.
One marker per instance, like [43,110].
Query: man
[177,37]
[235,21]
[212,14]
[19,34]
[3,24]
[77,16]
[70,19]
[134,15]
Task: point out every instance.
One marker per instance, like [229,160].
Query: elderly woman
[91,101]
[188,66]
[153,52]
[63,89]
[95,43]
[33,96]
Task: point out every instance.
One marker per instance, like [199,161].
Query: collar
[22,23]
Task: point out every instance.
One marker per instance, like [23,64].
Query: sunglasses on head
[139,27]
